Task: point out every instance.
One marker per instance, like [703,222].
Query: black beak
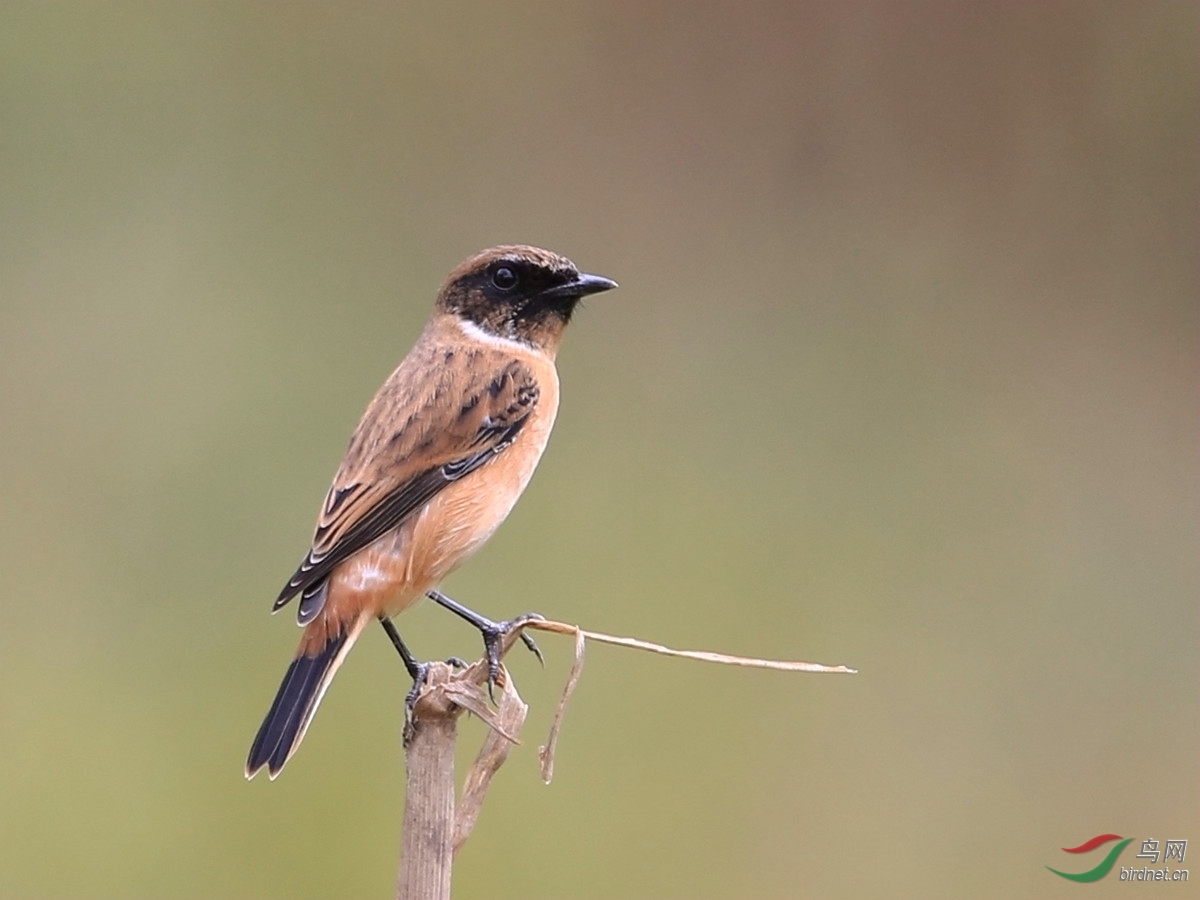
[581,286]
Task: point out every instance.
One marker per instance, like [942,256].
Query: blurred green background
[902,374]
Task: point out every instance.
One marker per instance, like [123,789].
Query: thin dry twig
[546,751]
[702,655]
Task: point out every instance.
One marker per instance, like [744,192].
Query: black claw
[528,641]
[410,701]
[491,651]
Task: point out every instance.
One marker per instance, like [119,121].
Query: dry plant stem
[431,833]
[504,724]
[427,854]
[433,829]
[752,662]
[546,751]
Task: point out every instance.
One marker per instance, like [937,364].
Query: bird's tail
[303,686]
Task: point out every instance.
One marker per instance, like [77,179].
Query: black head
[518,292]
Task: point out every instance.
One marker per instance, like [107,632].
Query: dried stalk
[434,829]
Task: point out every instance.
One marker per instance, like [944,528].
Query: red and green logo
[1105,865]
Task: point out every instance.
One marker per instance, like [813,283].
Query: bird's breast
[460,519]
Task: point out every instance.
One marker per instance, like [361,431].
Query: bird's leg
[418,670]
[493,632]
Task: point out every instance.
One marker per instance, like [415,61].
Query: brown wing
[436,419]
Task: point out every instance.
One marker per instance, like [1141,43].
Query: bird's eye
[504,278]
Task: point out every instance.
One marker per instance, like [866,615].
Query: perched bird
[438,460]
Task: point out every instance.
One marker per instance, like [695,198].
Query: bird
[438,460]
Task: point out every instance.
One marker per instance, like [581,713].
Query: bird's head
[519,293]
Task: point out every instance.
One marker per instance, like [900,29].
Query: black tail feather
[293,707]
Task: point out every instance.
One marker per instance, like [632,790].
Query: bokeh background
[902,374]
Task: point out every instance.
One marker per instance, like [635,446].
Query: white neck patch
[475,333]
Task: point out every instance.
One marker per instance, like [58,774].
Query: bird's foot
[410,701]
[493,633]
